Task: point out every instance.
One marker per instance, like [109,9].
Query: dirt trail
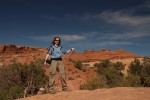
[119,93]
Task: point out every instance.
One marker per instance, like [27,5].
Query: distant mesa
[7,48]
[86,55]
[16,49]
[96,51]
[95,55]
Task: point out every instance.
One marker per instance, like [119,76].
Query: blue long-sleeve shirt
[56,52]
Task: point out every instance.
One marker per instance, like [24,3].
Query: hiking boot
[65,89]
[52,91]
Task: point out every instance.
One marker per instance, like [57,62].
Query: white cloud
[128,35]
[72,37]
[122,18]
[119,17]
[41,38]
[138,25]
[114,43]
[64,37]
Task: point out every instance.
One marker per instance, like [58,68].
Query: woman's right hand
[45,63]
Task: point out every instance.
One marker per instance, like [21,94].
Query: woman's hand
[72,49]
[47,55]
[45,63]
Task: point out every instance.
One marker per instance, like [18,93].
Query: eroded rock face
[8,48]
[28,54]
[24,54]
[2,48]
[1,64]
[13,49]
[94,55]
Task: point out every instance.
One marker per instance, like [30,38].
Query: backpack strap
[60,48]
[50,48]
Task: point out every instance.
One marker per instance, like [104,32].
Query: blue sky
[82,24]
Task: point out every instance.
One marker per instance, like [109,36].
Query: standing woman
[56,51]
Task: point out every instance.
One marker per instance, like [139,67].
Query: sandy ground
[119,93]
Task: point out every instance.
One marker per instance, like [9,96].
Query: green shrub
[70,78]
[69,69]
[139,73]
[4,94]
[101,67]
[70,59]
[76,71]
[9,76]
[16,91]
[146,72]
[78,76]
[95,65]
[109,74]
[112,72]
[135,67]
[114,77]
[15,77]
[78,64]
[83,68]
[119,66]
[133,80]
[94,83]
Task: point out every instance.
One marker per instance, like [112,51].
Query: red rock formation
[102,54]
[28,54]
[2,48]
[10,54]
[13,49]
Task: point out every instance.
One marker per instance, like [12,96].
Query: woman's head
[56,41]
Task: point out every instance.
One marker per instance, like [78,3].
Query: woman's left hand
[72,49]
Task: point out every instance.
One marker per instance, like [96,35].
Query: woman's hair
[53,42]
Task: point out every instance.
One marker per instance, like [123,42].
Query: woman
[56,51]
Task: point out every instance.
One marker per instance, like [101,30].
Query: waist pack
[49,61]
